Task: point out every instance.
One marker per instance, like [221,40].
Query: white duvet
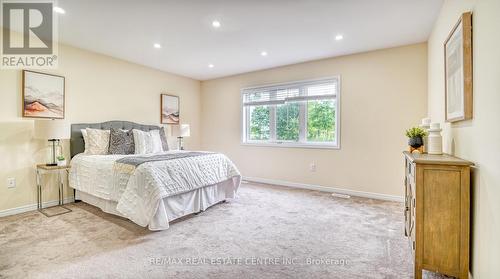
[138,193]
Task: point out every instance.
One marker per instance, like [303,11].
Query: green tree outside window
[320,121]
[259,123]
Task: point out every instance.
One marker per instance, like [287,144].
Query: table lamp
[53,131]
[181,131]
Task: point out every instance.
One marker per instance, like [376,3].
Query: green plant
[60,158]
[416,132]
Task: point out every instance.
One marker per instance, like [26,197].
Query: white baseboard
[369,195]
[31,207]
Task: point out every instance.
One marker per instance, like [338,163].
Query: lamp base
[54,162]
[181,147]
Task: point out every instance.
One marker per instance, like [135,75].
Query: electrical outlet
[11,182]
[312,167]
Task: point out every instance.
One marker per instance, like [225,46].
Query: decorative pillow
[98,141]
[163,137]
[147,142]
[85,140]
[121,142]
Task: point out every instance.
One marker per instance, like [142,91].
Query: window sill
[292,145]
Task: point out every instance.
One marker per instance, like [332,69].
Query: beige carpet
[267,232]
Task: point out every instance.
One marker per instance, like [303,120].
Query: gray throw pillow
[163,137]
[121,142]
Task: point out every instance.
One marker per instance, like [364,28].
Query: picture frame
[169,109]
[43,95]
[458,71]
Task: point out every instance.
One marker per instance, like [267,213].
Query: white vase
[435,140]
[61,163]
[426,143]
[426,124]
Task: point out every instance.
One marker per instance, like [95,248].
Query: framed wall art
[169,109]
[43,95]
[458,70]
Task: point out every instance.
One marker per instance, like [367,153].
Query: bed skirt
[173,207]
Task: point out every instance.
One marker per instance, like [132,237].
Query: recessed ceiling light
[263,53]
[157,46]
[339,37]
[211,65]
[59,10]
[216,24]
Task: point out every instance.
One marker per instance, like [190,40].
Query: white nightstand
[44,169]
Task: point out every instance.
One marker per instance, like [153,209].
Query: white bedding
[171,208]
[139,194]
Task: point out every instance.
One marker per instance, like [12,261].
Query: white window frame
[272,142]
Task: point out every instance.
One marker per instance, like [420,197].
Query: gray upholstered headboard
[76,142]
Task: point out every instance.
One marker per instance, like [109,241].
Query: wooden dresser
[437,212]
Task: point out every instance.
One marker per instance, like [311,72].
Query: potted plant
[61,161]
[415,137]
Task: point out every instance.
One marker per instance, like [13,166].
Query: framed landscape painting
[43,95]
[458,70]
[169,109]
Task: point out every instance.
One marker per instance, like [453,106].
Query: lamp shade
[52,129]
[181,130]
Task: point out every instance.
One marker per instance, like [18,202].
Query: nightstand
[44,169]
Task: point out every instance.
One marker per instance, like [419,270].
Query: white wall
[98,88]
[477,140]
[382,93]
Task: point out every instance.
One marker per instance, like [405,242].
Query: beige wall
[382,93]
[98,88]
[477,140]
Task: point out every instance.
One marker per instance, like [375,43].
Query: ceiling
[290,31]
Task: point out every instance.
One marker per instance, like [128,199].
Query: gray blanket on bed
[139,160]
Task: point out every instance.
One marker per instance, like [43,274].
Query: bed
[150,190]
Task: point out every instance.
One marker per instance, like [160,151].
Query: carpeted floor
[267,232]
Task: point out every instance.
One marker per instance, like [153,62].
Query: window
[298,114]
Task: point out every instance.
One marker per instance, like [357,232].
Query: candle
[426,121]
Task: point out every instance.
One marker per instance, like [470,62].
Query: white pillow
[98,141]
[85,140]
[157,143]
[147,142]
